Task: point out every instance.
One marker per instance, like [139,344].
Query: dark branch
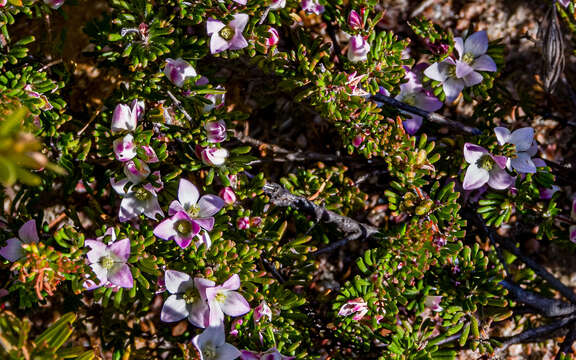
[538,334]
[566,346]
[350,228]
[548,307]
[430,116]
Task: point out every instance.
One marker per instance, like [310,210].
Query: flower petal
[199,313]
[463,69]
[177,282]
[209,205]
[500,179]
[124,148]
[218,44]
[28,233]
[122,119]
[152,208]
[121,249]
[476,44]
[101,273]
[216,314]
[523,163]
[435,72]
[522,138]
[13,250]
[228,352]
[459,46]
[202,285]
[235,304]
[428,103]
[175,207]
[484,63]
[453,88]
[122,277]
[233,283]
[188,194]
[174,309]
[238,42]
[473,78]
[183,241]
[130,208]
[413,124]
[98,250]
[472,153]
[118,186]
[206,223]
[239,22]
[502,135]
[475,177]
[165,230]
[214,26]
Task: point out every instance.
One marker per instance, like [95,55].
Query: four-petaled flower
[187,299]
[27,234]
[524,145]
[136,200]
[227,37]
[109,262]
[224,299]
[485,168]
[212,345]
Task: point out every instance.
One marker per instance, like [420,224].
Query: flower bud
[358,49]
[262,310]
[178,71]
[54,4]
[277,4]
[243,223]
[216,131]
[228,195]
[214,156]
[136,171]
[354,20]
[357,141]
[274,37]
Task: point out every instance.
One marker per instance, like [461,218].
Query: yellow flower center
[227,33]
[142,194]
[107,262]
[183,227]
[468,58]
[486,162]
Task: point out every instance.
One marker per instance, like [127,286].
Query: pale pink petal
[484,63]
[175,207]
[184,240]
[218,44]
[209,205]
[235,304]
[122,119]
[206,223]
[177,281]
[98,250]
[459,46]
[476,44]
[502,135]
[573,233]
[122,277]
[129,209]
[413,124]
[228,352]
[233,283]
[13,250]
[214,26]
[472,153]
[499,179]
[463,69]
[152,208]
[216,314]
[428,103]
[121,249]
[199,314]
[124,148]
[475,177]
[187,194]
[500,160]
[522,138]
[238,42]
[202,285]
[174,309]
[452,88]
[435,72]
[165,230]
[28,233]
[239,22]
[101,273]
[118,186]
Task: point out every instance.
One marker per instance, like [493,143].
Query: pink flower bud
[358,49]
[216,131]
[54,4]
[357,141]
[244,223]
[214,156]
[3,3]
[357,306]
[354,20]
[178,71]
[255,221]
[274,37]
[228,195]
[312,7]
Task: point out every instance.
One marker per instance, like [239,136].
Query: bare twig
[538,334]
[566,346]
[350,228]
[548,307]
[179,106]
[430,116]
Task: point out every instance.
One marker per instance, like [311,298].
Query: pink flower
[109,262]
[270,354]
[27,234]
[189,214]
[54,4]
[212,345]
[227,37]
[262,310]
[178,71]
[277,4]
[187,299]
[124,148]
[224,299]
[216,131]
[312,7]
[214,156]
[3,3]
[357,141]
[228,195]
[136,200]
[274,37]
[125,117]
[136,171]
[433,302]
[354,20]
[358,49]
[485,168]
[525,146]
[356,306]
